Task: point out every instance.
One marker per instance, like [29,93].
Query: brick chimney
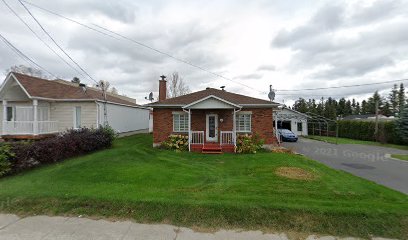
[162,88]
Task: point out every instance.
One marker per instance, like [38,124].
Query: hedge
[364,130]
[18,156]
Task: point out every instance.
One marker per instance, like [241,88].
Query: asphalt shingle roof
[228,96]
[38,87]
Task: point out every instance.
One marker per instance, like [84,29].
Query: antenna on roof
[271,94]
[150,98]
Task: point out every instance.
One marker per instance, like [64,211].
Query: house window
[243,123]
[180,122]
[10,113]
[299,126]
[77,117]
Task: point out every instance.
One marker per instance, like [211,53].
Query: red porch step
[211,149]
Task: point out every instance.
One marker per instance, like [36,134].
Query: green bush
[364,130]
[176,142]
[5,155]
[249,143]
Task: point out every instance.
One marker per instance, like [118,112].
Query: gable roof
[233,98]
[53,90]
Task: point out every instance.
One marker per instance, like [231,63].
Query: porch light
[221,120]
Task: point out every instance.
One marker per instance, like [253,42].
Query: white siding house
[34,107]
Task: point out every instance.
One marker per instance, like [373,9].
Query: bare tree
[114,91]
[105,85]
[177,86]
[34,72]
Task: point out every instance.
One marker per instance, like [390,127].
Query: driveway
[369,162]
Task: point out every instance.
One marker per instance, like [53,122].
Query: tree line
[390,105]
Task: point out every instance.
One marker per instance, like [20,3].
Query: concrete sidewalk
[63,228]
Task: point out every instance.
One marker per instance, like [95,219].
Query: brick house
[212,118]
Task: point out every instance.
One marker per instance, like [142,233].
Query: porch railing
[227,137]
[47,127]
[197,137]
[29,127]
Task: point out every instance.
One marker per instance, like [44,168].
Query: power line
[187,62]
[39,38]
[347,86]
[53,40]
[22,55]
[140,44]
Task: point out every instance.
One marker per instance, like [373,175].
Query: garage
[292,120]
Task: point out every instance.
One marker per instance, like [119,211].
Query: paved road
[369,162]
[64,228]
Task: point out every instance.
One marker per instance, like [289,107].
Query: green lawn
[400,156]
[353,141]
[133,180]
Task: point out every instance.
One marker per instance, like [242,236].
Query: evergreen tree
[357,110]
[364,107]
[300,105]
[401,97]
[341,107]
[371,103]
[402,124]
[393,98]
[330,107]
[348,110]
[386,109]
[320,107]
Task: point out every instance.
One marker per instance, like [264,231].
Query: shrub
[249,143]
[364,130]
[176,142]
[66,145]
[5,155]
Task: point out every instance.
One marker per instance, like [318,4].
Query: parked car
[287,136]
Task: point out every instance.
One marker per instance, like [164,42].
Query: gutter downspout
[189,128]
[276,126]
[235,128]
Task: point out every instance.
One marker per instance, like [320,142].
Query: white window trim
[75,123]
[250,122]
[178,114]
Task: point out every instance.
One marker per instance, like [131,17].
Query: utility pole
[105,111]
[376,120]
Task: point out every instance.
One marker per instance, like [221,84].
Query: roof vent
[207,88]
[222,88]
[83,86]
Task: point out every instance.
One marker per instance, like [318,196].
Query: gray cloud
[266,68]
[249,76]
[341,55]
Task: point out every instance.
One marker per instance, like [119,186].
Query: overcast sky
[289,44]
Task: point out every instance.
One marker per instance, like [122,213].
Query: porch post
[234,134]
[276,127]
[4,117]
[35,123]
[189,130]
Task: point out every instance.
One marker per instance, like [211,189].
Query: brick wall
[262,122]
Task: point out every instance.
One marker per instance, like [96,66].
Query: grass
[134,181]
[354,141]
[400,156]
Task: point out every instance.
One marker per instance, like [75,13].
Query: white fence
[197,137]
[227,137]
[29,128]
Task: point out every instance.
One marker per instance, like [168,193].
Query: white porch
[23,119]
[212,125]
